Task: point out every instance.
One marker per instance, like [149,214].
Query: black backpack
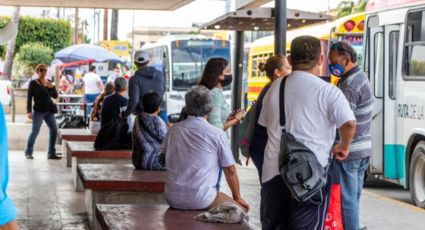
[70,122]
[113,136]
[299,167]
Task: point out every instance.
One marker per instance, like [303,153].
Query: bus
[395,64]
[182,59]
[349,28]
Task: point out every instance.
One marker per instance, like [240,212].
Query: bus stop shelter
[277,19]
[247,17]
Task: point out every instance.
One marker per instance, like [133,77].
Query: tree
[52,33]
[35,53]
[344,8]
[348,7]
[10,50]
[114,24]
[105,24]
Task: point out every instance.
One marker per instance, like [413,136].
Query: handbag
[299,167]
[247,134]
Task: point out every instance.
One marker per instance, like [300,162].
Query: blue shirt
[194,152]
[7,209]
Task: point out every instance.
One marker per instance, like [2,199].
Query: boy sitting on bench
[148,134]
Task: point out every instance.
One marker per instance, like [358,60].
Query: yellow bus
[349,28]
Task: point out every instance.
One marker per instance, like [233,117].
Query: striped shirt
[357,90]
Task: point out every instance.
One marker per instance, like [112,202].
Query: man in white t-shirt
[92,87]
[314,110]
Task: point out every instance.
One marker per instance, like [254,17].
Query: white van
[5,90]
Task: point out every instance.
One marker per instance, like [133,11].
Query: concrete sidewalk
[43,193]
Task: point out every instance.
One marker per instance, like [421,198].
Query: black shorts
[281,212]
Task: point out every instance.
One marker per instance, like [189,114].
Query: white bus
[395,63]
[182,60]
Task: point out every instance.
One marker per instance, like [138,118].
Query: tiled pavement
[44,195]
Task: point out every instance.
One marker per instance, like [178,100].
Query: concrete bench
[74,135]
[120,184]
[135,217]
[84,153]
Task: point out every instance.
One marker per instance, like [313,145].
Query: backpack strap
[282,102]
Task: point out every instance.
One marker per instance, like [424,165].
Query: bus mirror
[164,55]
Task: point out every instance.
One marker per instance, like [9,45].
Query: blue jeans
[37,121]
[90,98]
[351,178]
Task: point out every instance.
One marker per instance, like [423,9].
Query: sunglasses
[42,70]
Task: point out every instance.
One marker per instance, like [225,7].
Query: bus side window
[166,68]
[254,66]
[393,51]
[414,59]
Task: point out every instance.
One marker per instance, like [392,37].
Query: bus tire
[417,175]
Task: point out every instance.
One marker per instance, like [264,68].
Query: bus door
[375,70]
[392,152]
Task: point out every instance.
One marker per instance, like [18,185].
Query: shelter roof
[111,4]
[263,19]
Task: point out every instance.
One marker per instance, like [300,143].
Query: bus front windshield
[189,59]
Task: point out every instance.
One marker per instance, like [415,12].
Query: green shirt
[221,109]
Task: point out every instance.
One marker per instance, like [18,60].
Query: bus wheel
[417,175]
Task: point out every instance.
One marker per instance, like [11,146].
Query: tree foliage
[348,7]
[36,53]
[53,33]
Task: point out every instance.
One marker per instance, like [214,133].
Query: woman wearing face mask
[275,67]
[42,91]
[216,76]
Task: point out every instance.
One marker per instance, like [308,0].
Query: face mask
[336,70]
[227,80]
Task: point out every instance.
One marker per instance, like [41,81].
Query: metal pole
[132,43]
[237,90]
[280,27]
[94,26]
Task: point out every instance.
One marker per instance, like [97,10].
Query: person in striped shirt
[350,172]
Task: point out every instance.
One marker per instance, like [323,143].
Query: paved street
[43,193]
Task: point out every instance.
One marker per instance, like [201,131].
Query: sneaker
[54,157]
[29,157]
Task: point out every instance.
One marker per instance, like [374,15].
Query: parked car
[5,91]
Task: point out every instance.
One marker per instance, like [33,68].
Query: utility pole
[105,24]
[76,26]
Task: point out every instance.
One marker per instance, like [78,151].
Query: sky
[199,11]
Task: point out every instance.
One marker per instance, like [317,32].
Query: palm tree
[114,24]
[10,50]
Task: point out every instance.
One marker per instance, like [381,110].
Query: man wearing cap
[113,105]
[146,79]
[350,172]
